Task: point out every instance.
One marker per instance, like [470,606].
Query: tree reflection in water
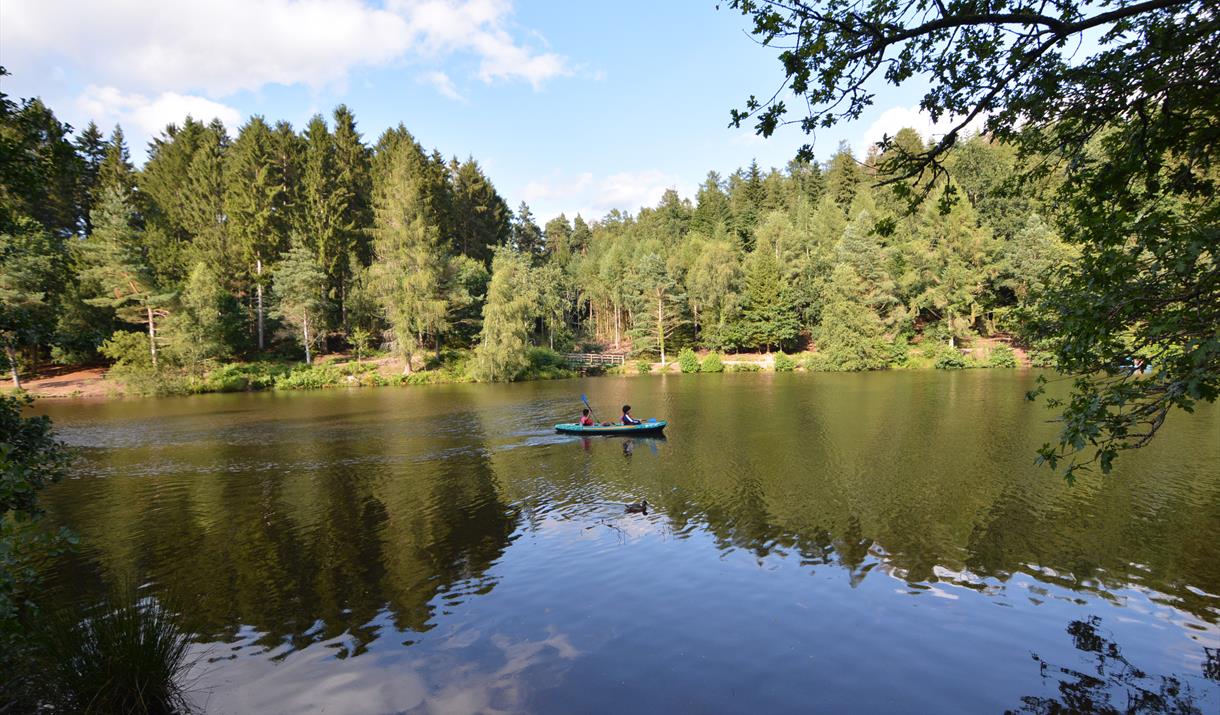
[1116,685]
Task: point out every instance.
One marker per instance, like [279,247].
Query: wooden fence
[594,359]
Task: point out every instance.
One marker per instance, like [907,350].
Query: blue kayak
[648,427]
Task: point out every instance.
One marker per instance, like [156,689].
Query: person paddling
[585,419]
[627,419]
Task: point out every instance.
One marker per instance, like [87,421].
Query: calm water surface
[826,543]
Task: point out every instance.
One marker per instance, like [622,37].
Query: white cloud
[220,47]
[895,118]
[593,198]
[148,116]
[443,84]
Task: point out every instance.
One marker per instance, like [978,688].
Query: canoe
[649,427]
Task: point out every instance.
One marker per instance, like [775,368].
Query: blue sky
[570,106]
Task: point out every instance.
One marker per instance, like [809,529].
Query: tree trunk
[12,366]
[661,327]
[616,326]
[305,327]
[258,270]
[152,336]
[343,306]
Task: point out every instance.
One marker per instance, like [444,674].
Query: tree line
[289,242]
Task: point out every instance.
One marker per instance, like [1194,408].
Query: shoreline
[340,371]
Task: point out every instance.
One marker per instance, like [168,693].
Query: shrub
[1042,358]
[745,367]
[545,364]
[309,377]
[131,656]
[688,361]
[712,363]
[899,352]
[948,358]
[1002,356]
[784,362]
[643,367]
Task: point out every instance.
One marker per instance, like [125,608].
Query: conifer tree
[116,170]
[581,235]
[527,237]
[843,178]
[323,201]
[206,324]
[27,278]
[353,177]
[91,147]
[850,335]
[115,264]
[299,286]
[410,269]
[711,206]
[481,217]
[511,305]
[768,311]
[254,189]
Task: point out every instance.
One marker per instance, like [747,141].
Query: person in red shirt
[585,419]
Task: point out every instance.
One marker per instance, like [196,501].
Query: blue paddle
[586,401]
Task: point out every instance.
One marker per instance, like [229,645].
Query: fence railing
[594,359]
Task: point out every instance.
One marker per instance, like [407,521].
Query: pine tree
[202,208]
[299,286]
[323,201]
[746,196]
[850,335]
[410,270]
[843,178]
[482,218]
[581,235]
[659,298]
[91,147]
[115,263]
[116,170]
[527,237]
[27,277]
[769,311]
[511,305]
[166,197]
[354,179]
[254,189]
[711,206]
[206,324]
[558,235]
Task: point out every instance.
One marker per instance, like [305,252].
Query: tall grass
[131,656]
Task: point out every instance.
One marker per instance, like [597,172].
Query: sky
[574,107]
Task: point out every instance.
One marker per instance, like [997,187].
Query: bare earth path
[69,382]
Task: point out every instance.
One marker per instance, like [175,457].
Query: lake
[815,542]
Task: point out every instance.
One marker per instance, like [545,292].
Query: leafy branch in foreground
[1134,126]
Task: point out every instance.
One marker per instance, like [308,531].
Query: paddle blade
[583,398]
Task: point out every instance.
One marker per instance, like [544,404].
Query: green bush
[688,361]
[712,363]
[544,364]
[948,358]
[643,367]
[1002,356]
[745,367]
[1042,358]
[899,352]
[784,362]
[309,377]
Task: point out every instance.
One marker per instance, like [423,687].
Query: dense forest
[278,244]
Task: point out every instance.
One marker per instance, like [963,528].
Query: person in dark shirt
[627,419]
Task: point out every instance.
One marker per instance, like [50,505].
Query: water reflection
[441,548]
